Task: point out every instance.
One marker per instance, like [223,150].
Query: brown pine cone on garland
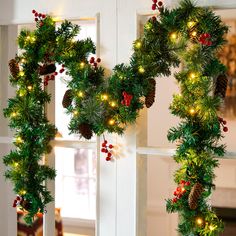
[85,130]
[194,196]
[221,85]
[25,204]
[14,68]
[47,69]
[150,97]
[67,98]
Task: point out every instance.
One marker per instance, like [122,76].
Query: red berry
[224,122]
[36,14]
[154,1]
[175,193]
[187,183]
[154,18]
[52,77]
[160,4]
[36,19]
[92,59]
[104,145]
[63,65]
[209,43]
[45,83]
[33,11]
[55,73]
[154,7]
[182,182]
[95,64]
[103,150]
[108,158]
[14,204]
[40,15]
[220,119]
[43,16]
[106,151]
[41,24]
[109,154]
[105,141]
[18,198]
[178,189]
[225,129]
[174,200]
[98,60]
[111,146]
[61,70]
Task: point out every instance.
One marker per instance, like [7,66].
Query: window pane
[76,182]
[87,30]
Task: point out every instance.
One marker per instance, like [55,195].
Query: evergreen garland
[187,34]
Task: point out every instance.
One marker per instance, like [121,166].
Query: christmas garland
[188,34]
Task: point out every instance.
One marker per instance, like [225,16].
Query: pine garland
[187,34]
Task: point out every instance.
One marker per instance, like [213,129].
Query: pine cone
[47,69]
[150,97]
[221,85]
[14,68]
[85,130]
[25,204]
[67,98]
[194,195]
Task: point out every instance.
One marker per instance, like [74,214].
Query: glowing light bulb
[148,26]
[21,73]
[138,44]
[28,37]
[80,94]
[192,75]
[19,140]
[104,97]
[111,122]
[75,113]
[192,111]
[13,114]
[23,60]
[211,227]
[82,64]
[29,87]
[113,104]
[22,93]
[33,39]
[182,189]
[16,164]
[173,36]
[194,33]
[190,24]
[141,70]
[199,221]
[23,192]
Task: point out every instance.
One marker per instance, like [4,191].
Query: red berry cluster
[180,190]
[52,76]
[223,123]
[49,77]
[105,148]
[62,68]
[17,201]
[157,5]
[127,99]
[94,62]
[205,39]
[39,17]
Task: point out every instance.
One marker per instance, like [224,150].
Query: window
[76,166]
